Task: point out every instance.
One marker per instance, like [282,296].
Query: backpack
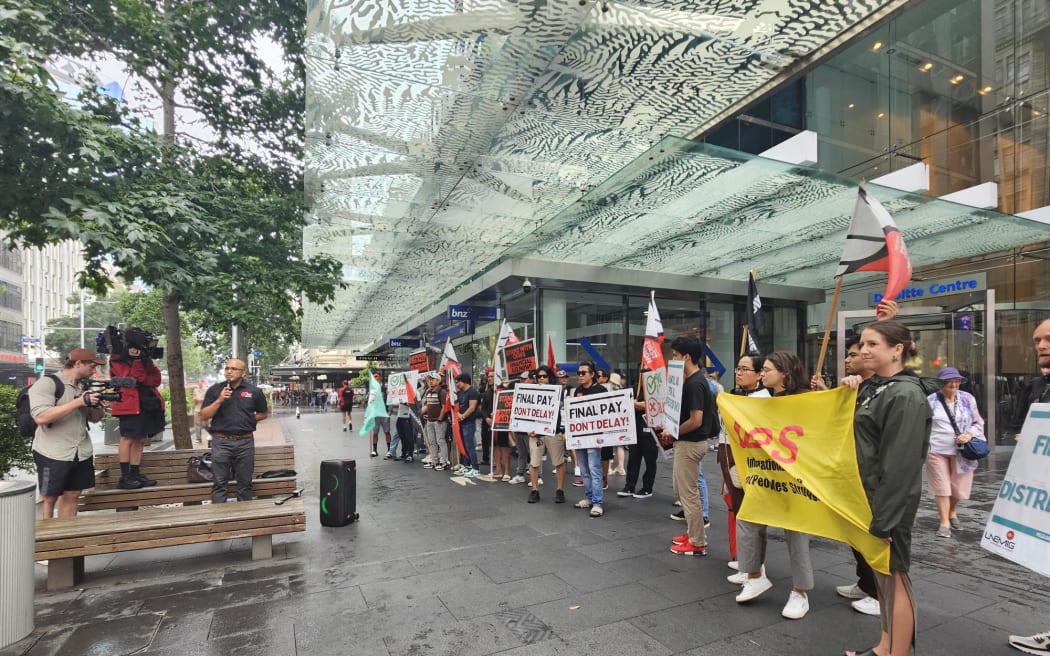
[25,421]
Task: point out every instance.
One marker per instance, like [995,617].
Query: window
[1024,68]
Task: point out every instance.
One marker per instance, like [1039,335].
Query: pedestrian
[346,404]
[589,460]
[435,409]
[235,408]
[645,449]
[61,446]
[467,402]
[140,409]
[551,445]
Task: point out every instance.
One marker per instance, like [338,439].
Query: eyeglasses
[234,368]
[583,372]
[743,369]
[542,376]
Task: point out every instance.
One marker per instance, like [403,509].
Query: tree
[193,222]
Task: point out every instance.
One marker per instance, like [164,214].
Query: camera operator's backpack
[26,423]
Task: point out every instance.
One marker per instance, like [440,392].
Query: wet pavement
[435,567]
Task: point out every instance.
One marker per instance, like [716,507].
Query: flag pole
[743,341]
[827,326]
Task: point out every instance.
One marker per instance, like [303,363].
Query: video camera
[115,340]
[108,389]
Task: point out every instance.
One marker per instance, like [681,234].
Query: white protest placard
[535,409]
[598,420]
[654,389]
[401,387]
[673,398]
[1019,526]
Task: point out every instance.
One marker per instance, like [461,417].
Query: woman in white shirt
[949,475]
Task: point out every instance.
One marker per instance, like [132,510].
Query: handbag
[975,449]
[198,469]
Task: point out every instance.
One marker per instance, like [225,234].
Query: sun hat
[948,373]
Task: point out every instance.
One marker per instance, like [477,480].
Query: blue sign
[404,342]
[453,331]
[933,288]
[471,313]
[257,353]
[30,340]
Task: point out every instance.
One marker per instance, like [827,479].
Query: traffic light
[39,364]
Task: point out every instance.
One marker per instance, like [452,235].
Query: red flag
[652,353]
[874,243]
[552,362]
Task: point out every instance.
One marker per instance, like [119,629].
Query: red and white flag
[451,369]
[875,244]
[652,352]
[499,366]
[552,361]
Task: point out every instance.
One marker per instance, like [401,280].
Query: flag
[756,319]
[448,357]
[875,244]
[652,352]
[499,366]
[552,362]
[450,367]
[375,407]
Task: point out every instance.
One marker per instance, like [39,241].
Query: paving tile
[615,639]
[598,608]
[481,599]
[125,635]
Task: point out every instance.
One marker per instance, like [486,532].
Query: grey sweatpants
[749,539]
[435,435]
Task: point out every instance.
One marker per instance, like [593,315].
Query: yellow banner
[796,458]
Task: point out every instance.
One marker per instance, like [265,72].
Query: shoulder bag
[975,449]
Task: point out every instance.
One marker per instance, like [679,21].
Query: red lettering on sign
[791,447]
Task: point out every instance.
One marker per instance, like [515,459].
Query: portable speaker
[338,492]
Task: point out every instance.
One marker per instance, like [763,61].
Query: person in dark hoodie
[892,431]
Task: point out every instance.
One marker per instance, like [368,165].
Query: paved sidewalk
[434,567]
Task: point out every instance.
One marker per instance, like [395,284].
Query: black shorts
[141,425]
[608,452]
[57,476]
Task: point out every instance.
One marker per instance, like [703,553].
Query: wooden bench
[65,542]
[168,468]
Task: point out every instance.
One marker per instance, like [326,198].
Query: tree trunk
[180,424]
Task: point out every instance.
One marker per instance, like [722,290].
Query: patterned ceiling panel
[444,135]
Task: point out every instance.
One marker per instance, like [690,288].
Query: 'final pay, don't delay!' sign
[599,420]
[535,409]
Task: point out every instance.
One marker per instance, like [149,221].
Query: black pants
[865,576]
[486,441]
[406,429]
[645,449]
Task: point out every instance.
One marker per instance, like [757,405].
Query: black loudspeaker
[338,492]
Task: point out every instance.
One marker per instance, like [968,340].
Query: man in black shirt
[590,460]
[234,407]
[694,429]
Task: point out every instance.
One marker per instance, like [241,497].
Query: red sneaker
[680,539]
[688,549]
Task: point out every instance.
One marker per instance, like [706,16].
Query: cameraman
[234,407]
[140,408]
[61,447]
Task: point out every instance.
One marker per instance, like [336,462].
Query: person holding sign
[590,460]
[782,374]
[552,445]
[695,427]
[435,404]
[892,431]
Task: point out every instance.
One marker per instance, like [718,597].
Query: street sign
[404,342]
[372,358]
[256,353]
[30,340]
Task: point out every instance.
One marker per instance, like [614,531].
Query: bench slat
[287,527]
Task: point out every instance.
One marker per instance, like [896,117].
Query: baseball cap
[525,375]
[615,378]
[561,373]
[84,355]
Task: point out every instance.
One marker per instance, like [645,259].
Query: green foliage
[362,378]
[14,449]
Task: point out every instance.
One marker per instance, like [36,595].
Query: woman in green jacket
[892,431]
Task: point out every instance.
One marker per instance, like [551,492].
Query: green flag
[376,406]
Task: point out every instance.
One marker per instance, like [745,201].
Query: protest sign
[673,398]
[598,420]
[1019,526]
[401,387]
[535,409]
[797,459]
[418,361]
[520,357]
[654,389]
[501,411]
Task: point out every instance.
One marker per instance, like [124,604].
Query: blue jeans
[702,484]
[590,462]
[395,441]
[467,429]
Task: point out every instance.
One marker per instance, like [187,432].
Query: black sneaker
[146,482]
[642,494]
[129,483]
[680,515]
[559,497]
[625,492]
[344,429]
[409,459]
[534,496]
[707,522]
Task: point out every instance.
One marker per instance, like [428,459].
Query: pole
[743,342]
[827,326]
[81,318]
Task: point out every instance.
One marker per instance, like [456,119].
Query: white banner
[535,409]
[599,420]
[654,390]
[1019,527]
[401,387]
[673,397]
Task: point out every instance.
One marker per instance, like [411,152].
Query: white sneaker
[851,591]
[867,605]
[517,479]
[1034,644]
[539,481]
[426,461]
[740,577]
[753,588]
[733,565]
[796,607]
